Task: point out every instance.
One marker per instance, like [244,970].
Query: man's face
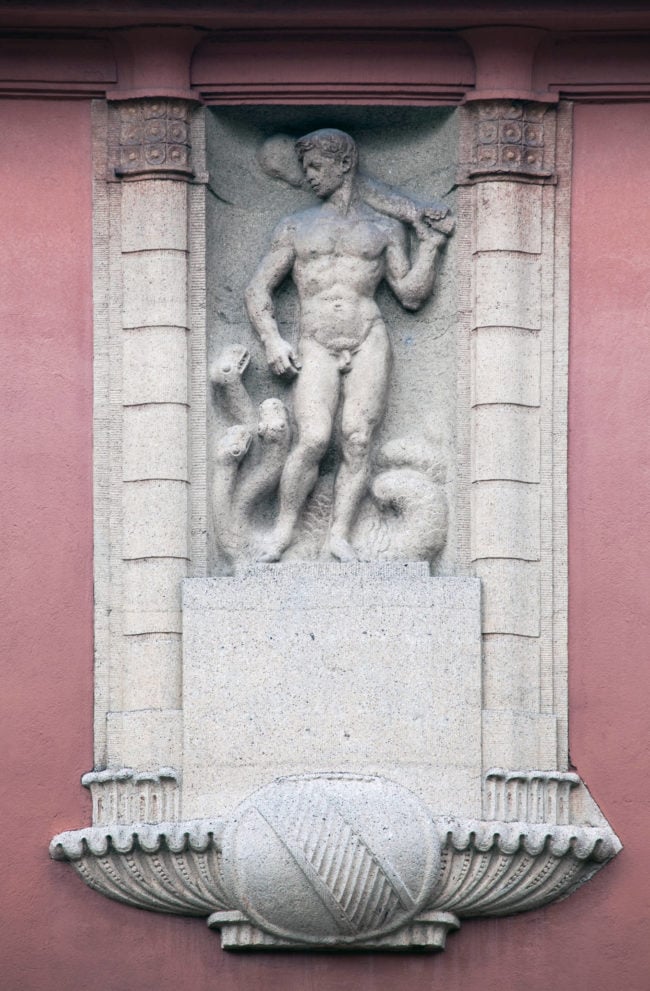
[323,173]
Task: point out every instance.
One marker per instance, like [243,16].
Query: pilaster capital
[151,137]
[511,139]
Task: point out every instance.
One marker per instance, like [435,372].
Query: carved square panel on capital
[510,139]
[154,137]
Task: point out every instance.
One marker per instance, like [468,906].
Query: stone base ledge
[487,868]
[123,795]
[427,931]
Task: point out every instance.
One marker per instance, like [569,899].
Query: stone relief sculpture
[337,254]
[334,754]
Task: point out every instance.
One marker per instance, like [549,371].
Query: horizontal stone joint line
[509,402]
[157,326]
[152,708]
[154,478]
[154,251]
[522,636]
[506,251]
[476,328]
[161,630]
[144,635]
[149,326]
[528,636]
[499,478]
[163,478]
[487,479]
[156,402]
[528,713]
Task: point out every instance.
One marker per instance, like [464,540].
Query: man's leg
[365,388]
[315,398]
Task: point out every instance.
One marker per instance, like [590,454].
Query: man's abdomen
[339,322]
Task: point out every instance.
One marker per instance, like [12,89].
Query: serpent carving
[229,452]
[403,517]
[410,518]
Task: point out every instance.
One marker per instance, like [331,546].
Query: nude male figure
[337,254]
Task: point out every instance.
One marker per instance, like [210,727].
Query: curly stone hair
[328,141]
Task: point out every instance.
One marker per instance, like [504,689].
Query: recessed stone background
[414,149]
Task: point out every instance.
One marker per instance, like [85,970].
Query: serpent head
[234,444]
[230,365]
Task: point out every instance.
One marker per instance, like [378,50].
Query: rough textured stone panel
[155,442]
[155,519]
[509,217]
[511,672]
[511,596]
[344,667]
[519,739]
[506,366]
[506,520]
[154,289]
[152,595]
[153,215]
[153,661]
[145,739]
[506,443]
[154,366]
[508,290]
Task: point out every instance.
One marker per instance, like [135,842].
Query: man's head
[327,157]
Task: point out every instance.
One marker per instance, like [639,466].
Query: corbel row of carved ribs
[340,880]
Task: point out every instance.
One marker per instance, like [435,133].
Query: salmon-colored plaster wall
[58,935]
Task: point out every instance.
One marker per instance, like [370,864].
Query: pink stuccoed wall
[58,935]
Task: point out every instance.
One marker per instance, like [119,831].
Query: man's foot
[268,555]
[271,549]
[341,549]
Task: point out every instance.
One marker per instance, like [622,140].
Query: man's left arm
[412,282]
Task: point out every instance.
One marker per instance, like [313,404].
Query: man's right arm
[271,271]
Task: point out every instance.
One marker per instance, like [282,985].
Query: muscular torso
[339,263]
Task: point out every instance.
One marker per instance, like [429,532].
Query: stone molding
[497,868]
[519,344]
[427,931]
[510,140]
[154,138]
[147,281]
[125,796]
[222,71]
[529,796]
[487,869]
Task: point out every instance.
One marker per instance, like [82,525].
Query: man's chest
[341,237]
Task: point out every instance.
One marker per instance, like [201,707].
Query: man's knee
[356,444]
[313,443]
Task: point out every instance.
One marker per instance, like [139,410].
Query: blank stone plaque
[367,668]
